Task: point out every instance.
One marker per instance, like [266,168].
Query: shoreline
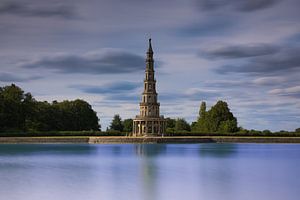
[145,140]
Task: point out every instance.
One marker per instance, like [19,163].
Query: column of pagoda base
[148,126]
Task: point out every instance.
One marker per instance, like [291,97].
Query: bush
[61,133]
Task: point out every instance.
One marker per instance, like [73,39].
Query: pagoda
[149,122]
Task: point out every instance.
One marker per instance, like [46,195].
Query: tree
[170,123]
[202,111]
[127,125]
[228,126]
[201,125]
[297,130]
[193,126]
[182,125]
[217,119]
[77,115]
[12,113]
[20,111]
[2,114]
[29,109]
[221,119]
[116,123]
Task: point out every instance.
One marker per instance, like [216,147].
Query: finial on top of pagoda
[150,47]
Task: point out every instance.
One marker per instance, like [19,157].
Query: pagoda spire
[150,47]
[149,59]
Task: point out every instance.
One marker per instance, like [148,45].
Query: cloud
[215,26]
[197,94]
[8,77]
[116,91]
[269,81]
[290,92]
[124,97]
[192,94]
[253,5]
[98,63]
[111,88]
[294,39]
[239,5]
[263,82]
[30,10]
[227,83]
[241,51]
[285,61]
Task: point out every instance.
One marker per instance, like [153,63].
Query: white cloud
[269,80]
[291,91]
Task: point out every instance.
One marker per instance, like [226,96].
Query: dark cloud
[294,39]
[248,6]
[285,61]
[117,91]
[8,77]
[216,26]
[31,10]
[108,63]
[240,5]
[113,88]
[241,51]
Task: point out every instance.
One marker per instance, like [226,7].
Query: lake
[149,171]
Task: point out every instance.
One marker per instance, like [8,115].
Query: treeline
[173,125]
[19,111]
[218,120]
[21,114]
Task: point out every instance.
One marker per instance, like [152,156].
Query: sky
[246,53]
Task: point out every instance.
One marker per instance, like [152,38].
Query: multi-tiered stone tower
[149,122]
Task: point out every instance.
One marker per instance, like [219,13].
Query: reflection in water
[154,172]
[149,168]
[217,167]
[150,150]
[218,150]
[59,149]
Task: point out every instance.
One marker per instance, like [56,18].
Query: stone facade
[149,122]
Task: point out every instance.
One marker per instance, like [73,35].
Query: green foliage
[116,123]
[12,107]
[177,125]
[170,123]
[170,131]
[202,111]
[217,119]
[266,132]
[61,133]
[127,124]
[246,133]
[19,111]
[182,125]
[297,130]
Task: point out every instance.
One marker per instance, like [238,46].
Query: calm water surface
[142,172]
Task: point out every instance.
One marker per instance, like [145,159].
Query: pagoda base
[146,126]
